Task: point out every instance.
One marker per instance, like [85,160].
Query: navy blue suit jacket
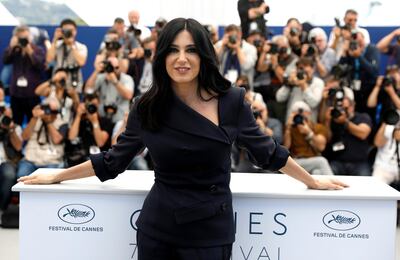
[190,203]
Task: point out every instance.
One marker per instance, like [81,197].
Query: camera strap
[43,126]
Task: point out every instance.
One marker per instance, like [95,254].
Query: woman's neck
[187,92]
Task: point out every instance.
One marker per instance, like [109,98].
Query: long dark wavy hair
[154,103]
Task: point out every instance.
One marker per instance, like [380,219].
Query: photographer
[45,135]
[111,47]
[251,13]
[341,34]
[348,148]
[145,67]
[364,60]
[89,133]
[236,56]
[295,34]
[306,139]
[142,32]
[115,89]
[10,153]
[387,160]
[58,87]
[385,94]
[68,53]
[302,85]
[27,61]
[318,50]
[275,61]
[392,50]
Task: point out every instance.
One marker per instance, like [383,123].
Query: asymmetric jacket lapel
[183,118]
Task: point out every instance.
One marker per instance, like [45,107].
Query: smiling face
[183,62]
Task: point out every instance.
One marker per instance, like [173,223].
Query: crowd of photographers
[320,96]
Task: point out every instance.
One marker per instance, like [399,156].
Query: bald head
[134,17]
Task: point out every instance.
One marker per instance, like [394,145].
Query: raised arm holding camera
[385,94]
[302,85]
[115,89]
[386,46]
[251,13]
[66,52]
[10,153]
[348,147]
[306,139]
[236,56]
[58,87]
[45,135]
[89,133]
[27,61]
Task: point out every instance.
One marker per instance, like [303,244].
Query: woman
[188,121]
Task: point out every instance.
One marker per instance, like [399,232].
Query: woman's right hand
[39,178]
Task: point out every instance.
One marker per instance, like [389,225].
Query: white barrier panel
[276,218]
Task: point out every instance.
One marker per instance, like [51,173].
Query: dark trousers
[23,107]
[350,168]
[151,249]
[7,180]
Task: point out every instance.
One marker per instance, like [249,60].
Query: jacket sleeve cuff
[279,158]
[99,167]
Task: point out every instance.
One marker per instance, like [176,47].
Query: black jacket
[190,203]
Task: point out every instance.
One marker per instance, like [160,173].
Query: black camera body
[108,67]
[273,48]
[294,31]
[298,119]
[256,114]
[23,42]
[67,33]
[148,53]
[113,45]
[232,39]
[257,43]
[388,81]
[110,109]
[47,110]
[91,108]
[301,74]
[336,96]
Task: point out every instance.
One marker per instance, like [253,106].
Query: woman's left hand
[328,184]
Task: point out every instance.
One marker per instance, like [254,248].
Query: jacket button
[213,188]
[224,206]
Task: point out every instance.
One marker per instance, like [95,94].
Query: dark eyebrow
[187,46]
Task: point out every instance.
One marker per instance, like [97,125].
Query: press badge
[339,146]
[22,82]
[356,85]
[94,149]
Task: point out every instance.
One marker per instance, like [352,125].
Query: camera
[283,50]
[391,117]
[108,67]
[147,53]
[91,108]
[293,31]
[112,45]
[298,119]
[340,71]
[256,114]
[132,29]
[353,43]
[23,42]
[67,33]
[310,51]
[5,120]
[47,110]
[388,81]
[336,95]
[273,48]
[301,74]
[110,109]
[257,43]
[232,39]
